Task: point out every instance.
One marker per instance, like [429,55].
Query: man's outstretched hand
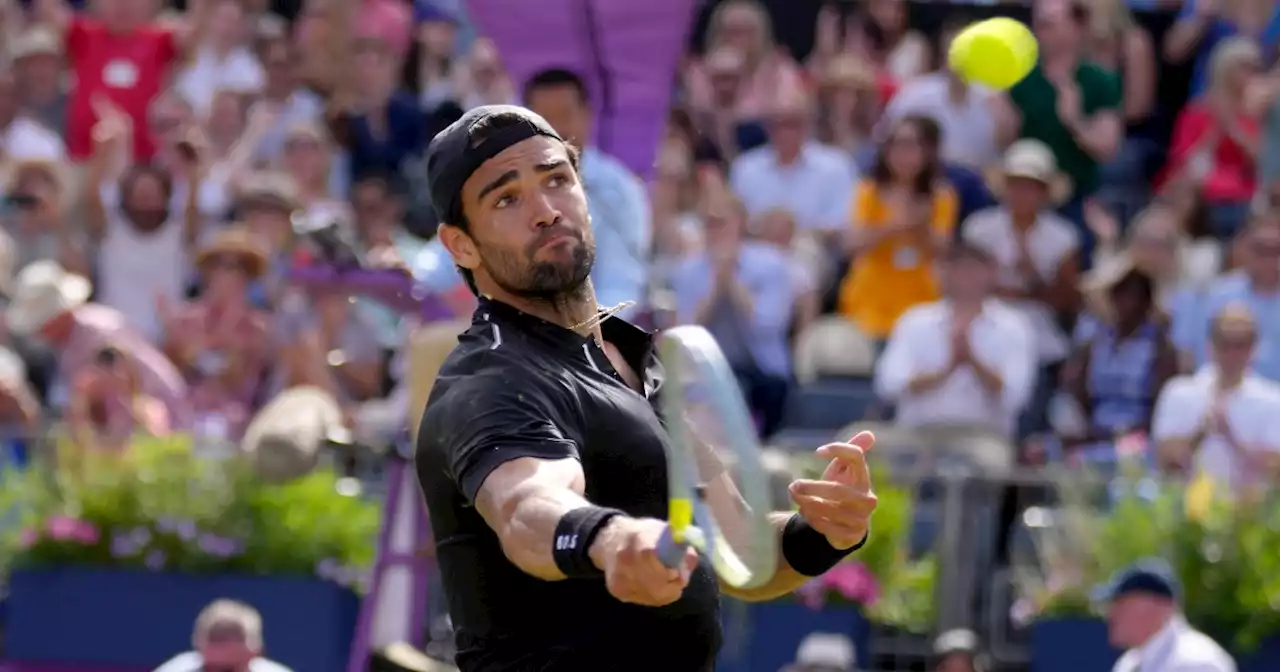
[840,504]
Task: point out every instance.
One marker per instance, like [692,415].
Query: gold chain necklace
[601,315]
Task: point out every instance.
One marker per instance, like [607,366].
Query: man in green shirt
[1068,103]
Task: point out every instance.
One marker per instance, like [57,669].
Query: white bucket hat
[1033,160]
[42,291]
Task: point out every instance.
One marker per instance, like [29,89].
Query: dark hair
[485,128]
[552,77]
[1080,13]
[1137,280]
[930,137]
[138,171]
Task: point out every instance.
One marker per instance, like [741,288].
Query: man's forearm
[526,526]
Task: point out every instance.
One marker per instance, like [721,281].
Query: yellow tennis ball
[996,53]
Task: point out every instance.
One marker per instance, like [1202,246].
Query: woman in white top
[221,59]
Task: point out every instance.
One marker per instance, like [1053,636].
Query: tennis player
[541,454]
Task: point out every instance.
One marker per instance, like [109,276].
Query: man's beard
[545,281]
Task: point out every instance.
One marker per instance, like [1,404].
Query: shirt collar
[634,343]
[1161,644]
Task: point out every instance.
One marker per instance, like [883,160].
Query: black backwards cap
[455,153]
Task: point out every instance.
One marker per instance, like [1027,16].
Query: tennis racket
[718,486]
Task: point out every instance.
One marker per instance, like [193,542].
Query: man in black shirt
[541,454]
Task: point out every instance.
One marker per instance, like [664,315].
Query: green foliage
[1227,556]
[906,586]
[162,508]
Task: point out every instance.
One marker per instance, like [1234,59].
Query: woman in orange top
[903,215]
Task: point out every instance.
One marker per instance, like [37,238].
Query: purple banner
[626,51]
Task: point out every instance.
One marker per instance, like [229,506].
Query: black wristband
[571,547]
[807,551]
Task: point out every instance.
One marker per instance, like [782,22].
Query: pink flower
[854,582]
[813,594]
[28,538]
[66,528]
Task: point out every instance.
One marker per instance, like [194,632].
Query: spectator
[121,56]
[22,138]
[792,172]
[331,346]
[958,651]
[382,126]
[962,110]
[1265,99]
[902,218]
[1036,254]
[620,217]
[1114,377]
[1216,139]
[884,38]
[37,64]
[847,104]
[1122,46]
[483,80]
[1142,611]
[964,360]
[808,262]
[283,104]
[144,246]
[718,119]
[37,221]
[220,59]
[824,652]
[1256,286]
[108,408]
[308,160]
[228,636]
[266,206]
[219,342]
[50,304]
[432,67]
[740,290]
[1069,104]
[1224,420]
[745,27]
[1204,24]
[20,411]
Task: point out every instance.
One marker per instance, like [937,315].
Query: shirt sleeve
[1019,375]
[896,367]
[486,420]
[1176,415]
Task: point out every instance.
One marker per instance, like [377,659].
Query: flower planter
[83,616]
[1074,644]
[764,636]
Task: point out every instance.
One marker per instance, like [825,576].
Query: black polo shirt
[518,386]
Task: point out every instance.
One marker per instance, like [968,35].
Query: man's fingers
[849,463]
[840,506]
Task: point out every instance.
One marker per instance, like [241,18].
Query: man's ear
[460,246]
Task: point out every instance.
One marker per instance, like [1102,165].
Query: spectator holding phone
[107,406]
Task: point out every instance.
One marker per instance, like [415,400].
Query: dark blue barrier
[128,619]
[1071,645]
[786,623]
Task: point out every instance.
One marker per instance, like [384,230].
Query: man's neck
[1023,221]
[572,311]
[787,158]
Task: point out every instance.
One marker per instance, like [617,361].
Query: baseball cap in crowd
[1150,576]
[825,651]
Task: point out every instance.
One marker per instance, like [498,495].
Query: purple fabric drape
[633,44]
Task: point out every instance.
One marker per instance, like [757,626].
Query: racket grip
[670,553]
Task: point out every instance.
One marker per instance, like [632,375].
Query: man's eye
[557,180]
[503,201]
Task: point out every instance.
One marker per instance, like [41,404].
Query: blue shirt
[816,188]
[1219,30]
[1191,322]
[405,137]
[623,228]
[766,272]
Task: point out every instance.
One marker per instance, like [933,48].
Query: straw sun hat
[239,242]
[1032,160]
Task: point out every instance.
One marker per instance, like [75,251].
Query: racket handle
[670,552]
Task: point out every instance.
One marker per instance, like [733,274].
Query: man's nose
[545,213]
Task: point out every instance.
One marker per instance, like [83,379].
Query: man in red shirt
[120,53]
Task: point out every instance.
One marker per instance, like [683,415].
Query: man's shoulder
[480,372]
[1197,652]
[183,662]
